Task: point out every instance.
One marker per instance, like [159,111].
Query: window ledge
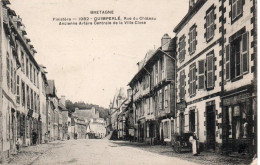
[209,39]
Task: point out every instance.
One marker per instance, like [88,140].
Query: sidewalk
[28,155]
[203,158]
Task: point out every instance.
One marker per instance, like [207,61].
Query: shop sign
[236,99]
[181,105]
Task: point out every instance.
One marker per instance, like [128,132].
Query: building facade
[215,73]
[154,94]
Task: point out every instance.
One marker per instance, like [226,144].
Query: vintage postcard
[112,82]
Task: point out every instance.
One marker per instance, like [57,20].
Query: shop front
[237,123]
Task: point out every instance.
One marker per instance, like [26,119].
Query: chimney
[63,100]
[165,41]
[192,3]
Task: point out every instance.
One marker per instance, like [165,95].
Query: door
[211,138]
[182,122]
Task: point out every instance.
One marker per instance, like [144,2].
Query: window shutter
[210,68]
[190,81]
[201,74]
[194,79]
[227,62]
[245,51]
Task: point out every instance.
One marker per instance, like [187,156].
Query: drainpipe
[1,80]
[222,66]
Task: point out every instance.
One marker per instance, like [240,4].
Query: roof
[189,15]
[50,90]
[85,113]
[153,57]
[62,107]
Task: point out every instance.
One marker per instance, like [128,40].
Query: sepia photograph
[119,82]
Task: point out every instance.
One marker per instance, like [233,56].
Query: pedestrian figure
[193,141]
[76,135]
[17,145]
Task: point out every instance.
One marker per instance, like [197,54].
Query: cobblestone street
[86,151]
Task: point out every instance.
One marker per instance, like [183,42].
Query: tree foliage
[103,112]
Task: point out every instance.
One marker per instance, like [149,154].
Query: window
[34,76]
[210,71]
[192,79]
[8,70]
[166,97]
[28,96]
[192,40]
[32,99]
[182,85]
[27,67]
[182,49]
[162,68]
[237,8]
[12,75]
[18,90]
[210,26]
[35,103]
[37,79]
[161,99]
[31,75]
[238,59]
[22,61]
[227,62]
[201,74]
[156,73]
[23,94]
[14,81]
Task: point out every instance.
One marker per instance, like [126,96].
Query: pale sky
[88,63]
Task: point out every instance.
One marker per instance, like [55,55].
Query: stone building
[154,94]
[215,73]
[20,93]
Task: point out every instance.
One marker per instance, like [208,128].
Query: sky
[89,63]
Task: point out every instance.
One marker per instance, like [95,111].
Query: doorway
[210,119]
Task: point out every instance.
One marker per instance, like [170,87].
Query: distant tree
[103,112]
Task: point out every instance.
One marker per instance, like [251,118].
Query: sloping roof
[50,90]
[62,107]
[85,113]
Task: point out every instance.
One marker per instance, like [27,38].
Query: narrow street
[105,152]
[92,152]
